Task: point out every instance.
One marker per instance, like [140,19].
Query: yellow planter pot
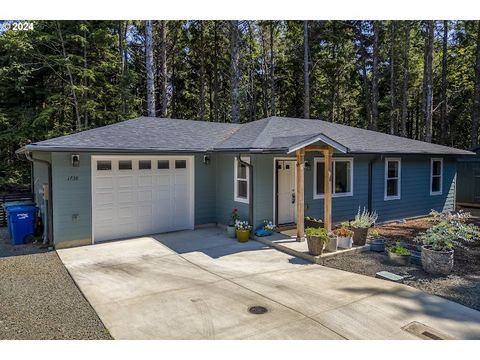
[243,235]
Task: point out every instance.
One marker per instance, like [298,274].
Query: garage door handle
[293,198]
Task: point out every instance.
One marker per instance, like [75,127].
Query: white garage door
[140,195]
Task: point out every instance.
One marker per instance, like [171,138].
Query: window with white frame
[436,175]
[342,177]
[392,178]
[242,173]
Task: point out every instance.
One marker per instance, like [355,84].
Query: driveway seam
[266,297]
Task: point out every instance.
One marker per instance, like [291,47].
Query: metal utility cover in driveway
[200,285]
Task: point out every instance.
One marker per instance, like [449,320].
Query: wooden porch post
[299,186]
[327,198]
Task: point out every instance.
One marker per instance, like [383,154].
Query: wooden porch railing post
[300,177]
[327,198]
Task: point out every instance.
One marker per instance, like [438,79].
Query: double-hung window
[342,177]
[436,175]
[393,169]
[241,180]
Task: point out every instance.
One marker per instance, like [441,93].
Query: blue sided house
[152,175]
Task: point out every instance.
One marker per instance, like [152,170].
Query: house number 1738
[72,178]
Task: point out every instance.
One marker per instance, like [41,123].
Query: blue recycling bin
[21,222]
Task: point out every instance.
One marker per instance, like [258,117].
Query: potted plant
[398,254]
[312,222]
[316,240]
[332,244]
[377,242]
[439,241]
[231,224]
[243,229]
[363,221]
[344,237]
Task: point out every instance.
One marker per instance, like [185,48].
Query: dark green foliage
[68,76]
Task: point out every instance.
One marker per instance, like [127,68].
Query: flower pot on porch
[312,223]
[359,236]
[344,242]
[437,262]
[231,231]
[315,245]
[332,245]
[243,235]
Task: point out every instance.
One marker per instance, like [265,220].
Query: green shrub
[399,249]
[444,235]
[318,232]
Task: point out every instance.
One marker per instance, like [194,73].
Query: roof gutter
[250,188]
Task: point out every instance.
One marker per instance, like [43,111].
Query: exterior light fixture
[206,159]
[75,160]
[308,167]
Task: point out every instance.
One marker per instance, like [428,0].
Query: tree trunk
[215,71]
[149,68]
[406,75]
[272,72]
[393,100]
[201,107]
[306,73]
[235,70]
[375,96]
[70,78]
[163,67]
[366,87]
[427,106]
[443,105]
[265,77]
[476,98]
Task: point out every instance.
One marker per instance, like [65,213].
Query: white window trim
[396,197]
[235,178]
[334,160]
[433,193]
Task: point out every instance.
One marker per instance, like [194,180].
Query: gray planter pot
[437,262]
[231,231]
[344,242]
[315,245]
[377,245]
[397,259]
[359,236]
[332,244]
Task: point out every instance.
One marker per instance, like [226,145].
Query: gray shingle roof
[270,134]
[145,134]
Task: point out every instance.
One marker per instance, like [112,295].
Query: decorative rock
[437,262]
[385,275]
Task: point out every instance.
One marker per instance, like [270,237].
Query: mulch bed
[461,286]
[38,298]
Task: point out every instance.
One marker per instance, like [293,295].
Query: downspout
[50,194]
[370,182]
[250,188]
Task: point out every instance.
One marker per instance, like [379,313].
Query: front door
[286,191]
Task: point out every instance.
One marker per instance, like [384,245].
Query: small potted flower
[312,222]
[231,224]
[377,241]
[363,221]
[316,240]
[344,237]
[243,229]
[399,255]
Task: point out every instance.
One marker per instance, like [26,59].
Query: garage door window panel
[125,164]
[104,165]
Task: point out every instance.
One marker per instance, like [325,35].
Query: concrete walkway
[200,285]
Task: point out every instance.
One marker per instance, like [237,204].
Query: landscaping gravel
[39,300]
[461,286]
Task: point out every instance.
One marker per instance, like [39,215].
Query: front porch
[286,241]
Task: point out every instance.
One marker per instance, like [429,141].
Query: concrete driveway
[200,284]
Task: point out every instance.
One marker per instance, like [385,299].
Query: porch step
[299,249]
[386,275]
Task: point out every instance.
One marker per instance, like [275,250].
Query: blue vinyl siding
[415,188]
[224,189]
